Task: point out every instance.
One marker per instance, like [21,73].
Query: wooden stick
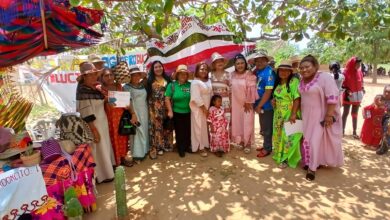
[42,6]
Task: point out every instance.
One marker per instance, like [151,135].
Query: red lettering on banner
[64,78]
[140,58]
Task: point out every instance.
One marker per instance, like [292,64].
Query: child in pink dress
[219,133]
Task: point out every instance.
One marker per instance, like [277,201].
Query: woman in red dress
[119,142]
[371,134]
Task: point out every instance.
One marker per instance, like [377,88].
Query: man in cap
[263,106]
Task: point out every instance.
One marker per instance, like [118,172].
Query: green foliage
[279,50]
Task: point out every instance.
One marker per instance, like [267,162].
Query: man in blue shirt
[263,106]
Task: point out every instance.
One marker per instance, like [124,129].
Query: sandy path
[240,186]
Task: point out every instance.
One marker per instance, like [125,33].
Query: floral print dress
[219,137]
[160,138]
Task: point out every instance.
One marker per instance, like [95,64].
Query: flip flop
[311,175]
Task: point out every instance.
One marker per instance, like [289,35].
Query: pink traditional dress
[219,138]
[243,91]
[321,146]
[201,93]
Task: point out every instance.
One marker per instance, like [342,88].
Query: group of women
[213,111]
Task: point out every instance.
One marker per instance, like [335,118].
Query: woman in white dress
[90,105]
[201,92]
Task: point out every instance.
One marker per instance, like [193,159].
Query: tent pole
[42,7]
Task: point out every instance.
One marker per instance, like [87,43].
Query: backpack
[125,126]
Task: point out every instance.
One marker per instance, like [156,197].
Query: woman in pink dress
[322,124]
[244,94]
[201,92]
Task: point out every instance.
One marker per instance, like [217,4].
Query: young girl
[371,133]
[286,109]
[219,134]
[140,141]
[385,122]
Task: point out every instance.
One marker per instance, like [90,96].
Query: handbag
[121,72]
[125,126]
[75,129]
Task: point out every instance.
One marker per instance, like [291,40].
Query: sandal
[219,153]
[263,153]
[247,150]
[153,154]
[355,136]
[283,165]
[127,163]
[310,175]
[203,153]
[160,152]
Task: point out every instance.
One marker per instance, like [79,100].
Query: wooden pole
[42,7]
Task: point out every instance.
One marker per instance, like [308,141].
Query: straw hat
[95,59]
[180,69]
[286,64]
[295,59]
[135,69]
[216,56]
[87,68]
[261,54]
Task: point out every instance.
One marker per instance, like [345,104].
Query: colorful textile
[353,83]
[180,96]
[140,141]
[59,169]
[51,209]
[265,80]
[371,133]
[243,91]
[219,133]
[193,43]
[221,87]
[160,138]
[119,142]
[21,29]
[286,148]
[321,146]
[201,93]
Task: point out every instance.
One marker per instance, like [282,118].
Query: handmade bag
[75,129]
[121,72]
[125,126]
[50,150]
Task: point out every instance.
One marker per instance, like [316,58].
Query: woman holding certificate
[114,114]
[322,124]
[286,109]
[90,105]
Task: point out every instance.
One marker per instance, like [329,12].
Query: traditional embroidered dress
[90,105]
[371,133]
[119,142]
[219,138]
[321,146]
[140,141]
[243,91]
[201,93]
[286,148]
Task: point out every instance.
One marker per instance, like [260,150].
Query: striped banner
[193,43]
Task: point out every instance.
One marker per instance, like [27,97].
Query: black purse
[125,126]
[168,124]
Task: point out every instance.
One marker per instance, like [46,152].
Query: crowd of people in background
[212,110]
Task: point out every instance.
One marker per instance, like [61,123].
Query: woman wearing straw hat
[220,80]
[90,105]
[201,92]
[139,141]
[177,101]
[286,109]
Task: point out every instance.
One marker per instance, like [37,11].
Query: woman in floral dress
[286,109]
[160,139]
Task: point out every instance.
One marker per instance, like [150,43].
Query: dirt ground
[240,186]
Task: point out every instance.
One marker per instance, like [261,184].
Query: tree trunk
[374,73]
[375,64]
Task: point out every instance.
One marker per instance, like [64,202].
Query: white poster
[119,99]
[21,189]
